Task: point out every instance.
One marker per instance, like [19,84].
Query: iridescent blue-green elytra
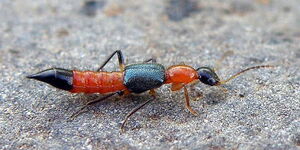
[139,78]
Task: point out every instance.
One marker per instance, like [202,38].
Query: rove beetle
[134,78]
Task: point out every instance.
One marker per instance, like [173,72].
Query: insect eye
[211,81]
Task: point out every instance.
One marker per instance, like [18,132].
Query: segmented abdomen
[97,82]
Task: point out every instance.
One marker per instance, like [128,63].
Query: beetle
[134,78]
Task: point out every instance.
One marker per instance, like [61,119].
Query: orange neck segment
[181,74]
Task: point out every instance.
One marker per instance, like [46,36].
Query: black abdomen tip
[57,77]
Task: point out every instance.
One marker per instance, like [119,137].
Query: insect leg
[120,59]
[151,59]
[187,101]
[152,92]
[90,103]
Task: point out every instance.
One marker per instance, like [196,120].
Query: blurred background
[261,109]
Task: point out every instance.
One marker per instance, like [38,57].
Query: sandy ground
[261,109]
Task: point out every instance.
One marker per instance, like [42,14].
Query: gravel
[261,109]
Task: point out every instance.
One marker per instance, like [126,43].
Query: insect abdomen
[97,82]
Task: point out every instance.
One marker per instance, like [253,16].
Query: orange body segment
[97,82]
[181,74]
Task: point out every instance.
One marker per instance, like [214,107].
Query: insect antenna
[243,71]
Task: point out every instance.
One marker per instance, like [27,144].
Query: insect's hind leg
[120,59]
[91,103]
[152,92]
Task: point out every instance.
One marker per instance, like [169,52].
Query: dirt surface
[261,109]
